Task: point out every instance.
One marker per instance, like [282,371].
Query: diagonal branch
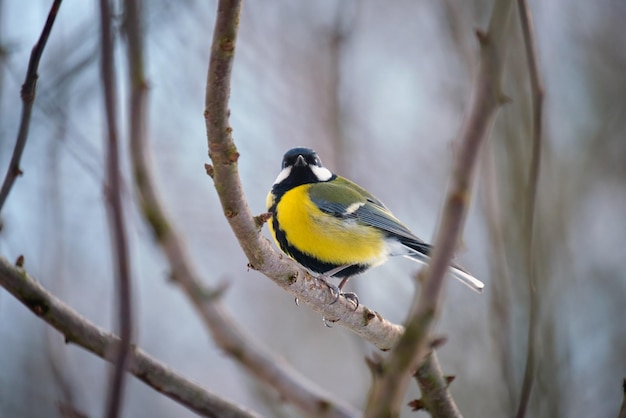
[250,354]
[119,240]
[29,88]
[78,330]
[537,91]
[388,389]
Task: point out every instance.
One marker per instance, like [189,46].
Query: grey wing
[346,200]
[336,199]
[379,217]
[336,209]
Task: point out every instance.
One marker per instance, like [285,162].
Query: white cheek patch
[322,173]
[284,173]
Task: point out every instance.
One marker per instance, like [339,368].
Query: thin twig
[116,220]
[388,389]
[255,358]
[29,89]
[78,330]
[537,92]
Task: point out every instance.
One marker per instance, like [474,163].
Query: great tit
[335,228]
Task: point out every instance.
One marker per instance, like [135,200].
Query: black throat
[299,176]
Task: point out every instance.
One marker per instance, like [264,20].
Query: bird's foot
[327,322]
[337,293]
[352,297]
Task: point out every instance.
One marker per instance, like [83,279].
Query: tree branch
[433,385]
[119,241]
[29,89]
[388,389]
[537,92]
[78,330]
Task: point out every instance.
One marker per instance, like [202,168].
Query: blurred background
[380,91]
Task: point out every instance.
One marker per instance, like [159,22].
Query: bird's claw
[337,293]
[327,322]
[352,297]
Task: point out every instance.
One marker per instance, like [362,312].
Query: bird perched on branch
[335,228]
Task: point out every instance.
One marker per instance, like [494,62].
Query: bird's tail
[420,252]
[467,279]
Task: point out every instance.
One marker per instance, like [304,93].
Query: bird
[335,228]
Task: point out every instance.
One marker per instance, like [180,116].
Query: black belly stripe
[308,261]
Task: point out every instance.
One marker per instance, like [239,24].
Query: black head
[301,166]
[301,157]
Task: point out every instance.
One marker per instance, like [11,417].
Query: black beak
[300,161]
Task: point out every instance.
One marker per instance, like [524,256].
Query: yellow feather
[325,237]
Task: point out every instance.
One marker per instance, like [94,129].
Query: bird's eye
[287,162]
[318,162]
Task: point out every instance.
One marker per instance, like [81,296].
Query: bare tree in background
[339,78]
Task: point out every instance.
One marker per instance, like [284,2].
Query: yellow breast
[325,237]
